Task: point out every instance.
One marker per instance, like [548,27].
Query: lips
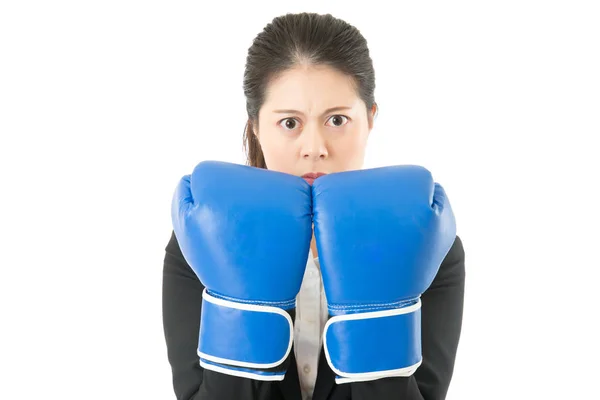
[311,176]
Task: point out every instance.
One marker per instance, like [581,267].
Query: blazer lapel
[290,385]
[325,379]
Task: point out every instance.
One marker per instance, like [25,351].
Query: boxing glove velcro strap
[256,374]
[243,335]
[366,346]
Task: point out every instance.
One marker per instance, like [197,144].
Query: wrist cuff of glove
[256,374]
[373,345]
[252,339]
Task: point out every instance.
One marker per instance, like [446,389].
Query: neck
[313,247]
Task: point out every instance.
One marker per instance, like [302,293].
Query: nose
[314,146]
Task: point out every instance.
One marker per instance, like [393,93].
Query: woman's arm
[182,305]
[441,318]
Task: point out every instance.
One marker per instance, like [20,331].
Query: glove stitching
[281,304]
[399,304]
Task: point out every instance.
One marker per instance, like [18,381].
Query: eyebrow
[300,112]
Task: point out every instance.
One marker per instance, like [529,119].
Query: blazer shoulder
[172,246]
[452,269]
[456,252]
[175,262]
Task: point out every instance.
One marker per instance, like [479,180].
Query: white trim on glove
[345,377]
[253,308]
[242,374]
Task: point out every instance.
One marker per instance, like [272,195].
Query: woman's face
[313,121]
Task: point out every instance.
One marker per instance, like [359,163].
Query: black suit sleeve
[181,308]
[441,317]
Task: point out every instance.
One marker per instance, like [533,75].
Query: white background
[104,105]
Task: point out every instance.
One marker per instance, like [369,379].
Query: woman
[309,84]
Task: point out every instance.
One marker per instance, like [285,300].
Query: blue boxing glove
[381,235]
[246,233]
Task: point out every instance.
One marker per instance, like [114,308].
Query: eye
[288,123]
[338,120]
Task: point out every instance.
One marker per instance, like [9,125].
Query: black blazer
[441,315]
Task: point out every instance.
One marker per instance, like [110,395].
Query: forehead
[311,87]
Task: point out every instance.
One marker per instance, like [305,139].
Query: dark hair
[306,37]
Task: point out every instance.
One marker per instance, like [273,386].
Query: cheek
[277,150]
[349,151]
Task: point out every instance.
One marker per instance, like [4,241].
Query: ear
[371,116]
